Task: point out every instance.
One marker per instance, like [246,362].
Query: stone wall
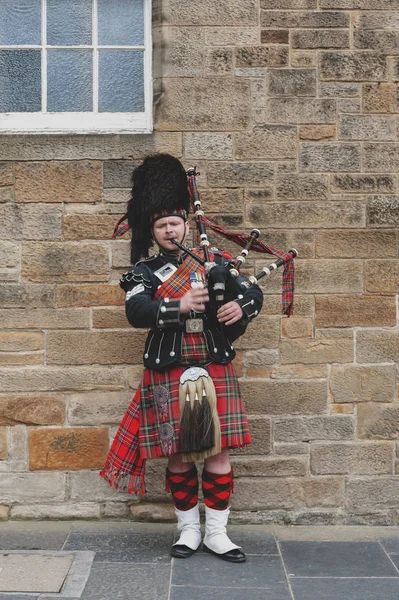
[289,109]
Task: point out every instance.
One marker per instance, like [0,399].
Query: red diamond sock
[184,488]
[217,489]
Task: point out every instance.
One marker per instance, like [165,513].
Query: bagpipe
[221,280]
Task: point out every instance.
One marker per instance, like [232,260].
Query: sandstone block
[271,493]
[261,56]
[266,142]
[80,510]
[290,449]
[339,90]
[274,36]
[99,347]
[281,397]
[381,158]
[32,410]
[150,512]
[67,448]
[266,334]
[54,181]
[341,243]
[121,254]
[376,20]
[383,276]
[367,127]
[348,105]
[355,311]
[269,467]
[15,341]
[118,173]
[9,254]
[383,41]
[94,147]
[85,227]
[255,361]
[302,187]
[329,276]
[14,359]
[204,145]
[355,65]
[65,262]
[383,211]
[297,327]
[4,512]
[297,19]
[298,372]
[303,58]
[50,379]
[377,345]
[225,174]
[115,510]
[6,194]
[89,295]
[322,158]
[183,52]
[47,318]
[377,492]
[378,97]
[342,409]
[211,104]
[317,132]
[301,110]
[98,408]
[33,222]
[228,12]
[6,174]
[317,38]
[355,383]
[110,318]
[285,4]
[378,421]
[231,36]
[310,215]
[32,487]
[317,351]
[260,428]
[309,429]
[87,486]
[366,184]
[29,295]
[3,444]
[226,201]
[219,61]
[350,458]
[292,82]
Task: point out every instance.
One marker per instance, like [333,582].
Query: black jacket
[162,316]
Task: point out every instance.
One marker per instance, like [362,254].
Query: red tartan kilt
[233,421]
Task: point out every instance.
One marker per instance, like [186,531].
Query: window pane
[69,77]
[69,22]
[120,22]
[20,81]
[121,81]
[20,22]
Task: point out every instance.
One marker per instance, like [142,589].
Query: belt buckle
[194,326]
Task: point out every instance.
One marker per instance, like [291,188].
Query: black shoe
[182,551]
[234,556]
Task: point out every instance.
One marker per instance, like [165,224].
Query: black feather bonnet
[159,189]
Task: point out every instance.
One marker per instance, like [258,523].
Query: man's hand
[194,299]
[230,313]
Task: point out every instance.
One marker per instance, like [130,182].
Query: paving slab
[257,572]
[32,540]
[336,559]
[121,581]
[134,546]
[277,592]
[252,540]
[33,573]
[345,589]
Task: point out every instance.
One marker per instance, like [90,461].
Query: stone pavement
[129,561]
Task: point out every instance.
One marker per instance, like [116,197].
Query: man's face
[168,228]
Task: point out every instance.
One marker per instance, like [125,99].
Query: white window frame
[85,122]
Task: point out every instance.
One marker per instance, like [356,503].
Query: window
[75,66]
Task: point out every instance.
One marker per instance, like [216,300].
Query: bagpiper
[188,406]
